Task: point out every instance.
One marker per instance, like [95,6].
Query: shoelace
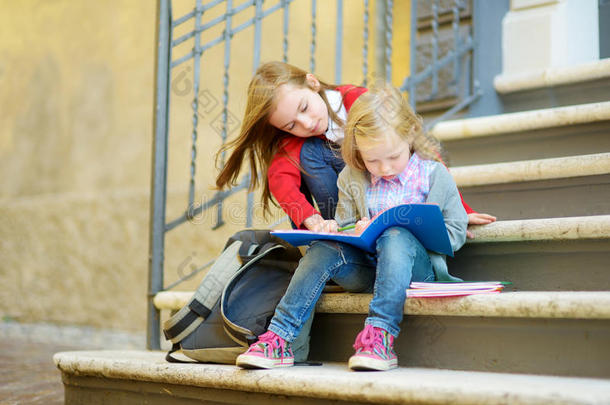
[273,340]
[368,339]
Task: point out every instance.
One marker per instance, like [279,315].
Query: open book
[425,221]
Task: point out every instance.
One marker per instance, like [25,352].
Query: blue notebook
[425,221]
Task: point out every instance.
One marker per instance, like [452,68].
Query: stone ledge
[531,170]
[522,304]
[333,381]
[521,121]
[569,228]
[552,77]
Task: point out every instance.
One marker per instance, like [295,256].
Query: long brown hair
[259,141]
[373,113]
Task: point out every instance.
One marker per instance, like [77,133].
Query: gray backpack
[235,301]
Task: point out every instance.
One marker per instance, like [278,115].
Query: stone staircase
[119,377]
[545,172]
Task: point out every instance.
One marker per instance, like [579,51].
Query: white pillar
[539,34]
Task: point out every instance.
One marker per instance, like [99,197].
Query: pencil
[346,228]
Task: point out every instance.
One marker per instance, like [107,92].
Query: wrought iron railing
[456,62]
[165,62]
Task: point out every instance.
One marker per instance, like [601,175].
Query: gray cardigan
[352,206]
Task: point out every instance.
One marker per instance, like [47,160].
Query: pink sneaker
[270,351]
[374,350]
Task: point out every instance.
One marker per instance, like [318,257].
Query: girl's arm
[444,192]
[347,212]
[284,185]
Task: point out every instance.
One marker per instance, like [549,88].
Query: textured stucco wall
[77,80]
[75,145]
[77,85]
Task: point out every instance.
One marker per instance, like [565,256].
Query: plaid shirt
[410,186]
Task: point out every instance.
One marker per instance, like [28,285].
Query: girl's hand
[316,223]
[478,219]
[361,225]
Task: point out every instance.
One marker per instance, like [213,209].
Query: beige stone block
[522,4]
[75,259]
[532,170]
[539,35]
[526,40]
[522,121]
[551,77]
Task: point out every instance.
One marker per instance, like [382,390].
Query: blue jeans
[323,166]
[400,259]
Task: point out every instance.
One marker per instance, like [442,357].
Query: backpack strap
[237,333]
[170,359]
[247,249]
[248,252]
[189,317]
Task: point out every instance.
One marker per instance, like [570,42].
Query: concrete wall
[538,34]
[75,145]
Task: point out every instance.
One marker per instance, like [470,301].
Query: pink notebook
[450,289]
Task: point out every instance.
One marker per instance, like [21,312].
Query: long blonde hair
[374,113]
[258,140]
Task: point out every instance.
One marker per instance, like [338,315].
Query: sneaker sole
[252,362]
[360,363]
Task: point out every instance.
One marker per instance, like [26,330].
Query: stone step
[593,305]
[123,377]
[552,132]
[534,254]
[542,188]
[517,332]
[552,254]
[516,304]
[553,87]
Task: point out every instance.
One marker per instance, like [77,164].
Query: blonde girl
[389,161]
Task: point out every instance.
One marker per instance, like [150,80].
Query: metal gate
[445,76]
